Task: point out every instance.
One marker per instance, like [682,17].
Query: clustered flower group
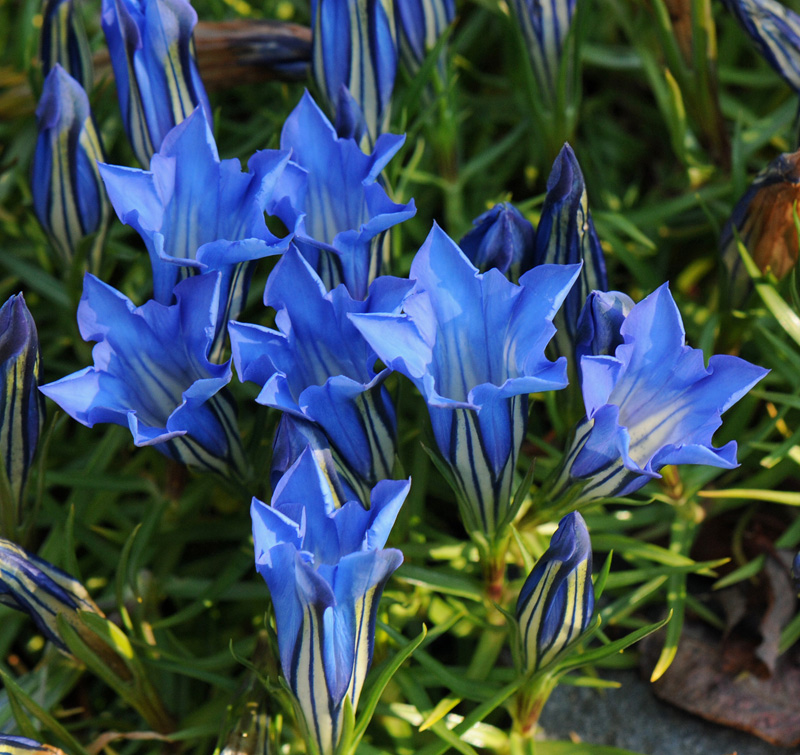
[471,328]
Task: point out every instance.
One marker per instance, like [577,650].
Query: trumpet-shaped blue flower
[325,564]
[354,58]
[151,373]
[502,238]
[775,31]
[64,41]
[545,25]
[420,23]
[556,602]
[566,235]
[11,745]
[292,438]
[652,402]
[318,367]
[68,195]
[345,211]
[198,214]
[20,402]
[36,587]
[152,54]
[473,344]
[764,222]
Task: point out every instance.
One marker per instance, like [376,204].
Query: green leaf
[682,534]
[787,318]
[440,710]
[771,496]
[602,577]
[37,280]
[459,686]
[629,547]
[476,716]
[593,656]
[40,714]
[790,634]
[750,569]
[445,582]
[580,748]
[528,561]
[370,698]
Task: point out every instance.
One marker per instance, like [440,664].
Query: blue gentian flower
[566,235]
[64,41]
[318,367]
[502,238]
[197,213]
[651,403]
[292,438]
[151,373]
[556,602]
[420,23]
[775,31]
[325,564]
[36,587]
[20,402]
[345,210]
[764,222]
[545,25]
[473,344]
[354,57]
[11,745]
[68,195]
[152,54]
[599,324]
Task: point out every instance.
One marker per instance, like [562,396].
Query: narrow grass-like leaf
[602,577]
[371,696]
[41,715]
[628,603]
[593,656]
[452,739]
[630,547]
[445,582]
[459,686]
[790,634]
[787,318]
[26,727]
[440,710]
[746,571]
[579,748]
[772,496]
[681,539]
[476,716]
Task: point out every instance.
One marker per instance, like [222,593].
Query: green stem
[530,702]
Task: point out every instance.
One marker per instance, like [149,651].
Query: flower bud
[501,238]
[11,745]
[64,41]
[68,195]
[152,54]
[20,402]
[545,26]
[355,46]
[36,587]
[557,600]
[566,236]
[764,222]
[420,23]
